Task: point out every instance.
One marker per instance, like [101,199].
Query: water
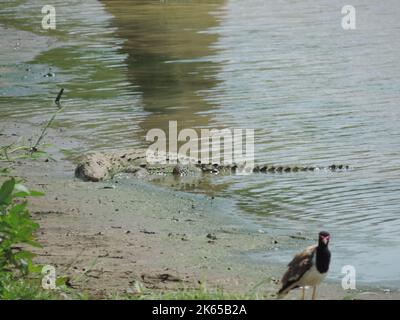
[314,93]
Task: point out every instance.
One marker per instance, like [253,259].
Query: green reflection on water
[169,57]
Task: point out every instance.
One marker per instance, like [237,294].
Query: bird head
[323,238]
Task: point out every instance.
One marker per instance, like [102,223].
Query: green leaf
[16,209]
[34,193]
[21,195]
[6,190]
[23,254]
[35,268]
[34,244]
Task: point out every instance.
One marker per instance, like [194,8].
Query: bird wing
[297,268]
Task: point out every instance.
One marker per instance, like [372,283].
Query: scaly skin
[103,166]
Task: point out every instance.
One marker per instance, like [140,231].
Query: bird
[308,268]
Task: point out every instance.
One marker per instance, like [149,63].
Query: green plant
[16,228]
[12,288]
[16,234]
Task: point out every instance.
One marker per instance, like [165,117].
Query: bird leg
[314,293]
[303,296]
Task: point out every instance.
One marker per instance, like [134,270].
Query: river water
[315,94]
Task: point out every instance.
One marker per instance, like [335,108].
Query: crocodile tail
[282,169]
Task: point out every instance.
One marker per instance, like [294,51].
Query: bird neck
[323,258]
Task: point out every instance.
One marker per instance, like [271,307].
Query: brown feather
[300,264]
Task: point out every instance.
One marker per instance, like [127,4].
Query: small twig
[44,130]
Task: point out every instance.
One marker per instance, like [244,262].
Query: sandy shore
[109,237]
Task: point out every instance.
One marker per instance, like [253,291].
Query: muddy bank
[108,237]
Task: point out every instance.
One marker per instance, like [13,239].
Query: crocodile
[101,166]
